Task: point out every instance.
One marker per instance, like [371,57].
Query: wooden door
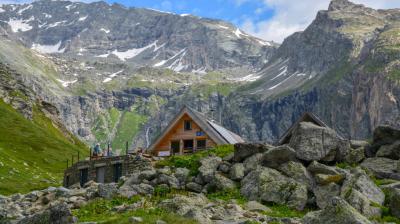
[175,147]
[117,172]
[83,177]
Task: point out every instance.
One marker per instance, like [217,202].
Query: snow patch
[107,80]
[301,74]
[161,63]
[263,42]
[82,18]
[20,25]
[47,15]
[273,87]
[24,9]
[239,33]
[105,30]
[247,78]
[124,55]
[113,75]
[283,72]
[66,83]
[48,49]
[184,15]
[200,71]
[223,27]
[69,7]
[1,9]
[56,24]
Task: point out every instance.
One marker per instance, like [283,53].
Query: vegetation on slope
[33,153]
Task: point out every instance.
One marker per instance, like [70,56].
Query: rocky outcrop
[337,211]
[315,143]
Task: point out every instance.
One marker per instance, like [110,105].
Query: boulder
[224,167]
[362,193]
[323,194]
[182,174]
[181,204]
[221,182]
[134,219]
[355,156]
[393,200]
[337,211]
[143,189]
[244,150]
[147,174]
[252,162]
[208,167]
[237,171]
[355,144]
[323,179]
[271,186]
[383,135]
[195,187]
[319,168]
[383,168]
[171,181]
[107,191]
[298,172]
[255,206]
[57,214]
[276,156]
[391,151]
[312,142]
[229,157]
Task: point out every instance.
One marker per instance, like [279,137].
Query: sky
[271,20]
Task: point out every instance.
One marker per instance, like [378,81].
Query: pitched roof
[306,117]
[216,132]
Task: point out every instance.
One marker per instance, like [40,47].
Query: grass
[33,153]
[128,127]
[227,195]
[192,162]
[282,211]
[101,210]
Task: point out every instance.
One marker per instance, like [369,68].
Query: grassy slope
[32,153]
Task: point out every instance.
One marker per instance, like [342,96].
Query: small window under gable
[187,125]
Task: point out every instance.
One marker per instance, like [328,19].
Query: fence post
[90,154]
[67,163]
[72,163]
[108,149]
[78,156]
[126,148]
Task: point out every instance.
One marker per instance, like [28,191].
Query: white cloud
[290,17]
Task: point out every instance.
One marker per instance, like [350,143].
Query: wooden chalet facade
[190,131]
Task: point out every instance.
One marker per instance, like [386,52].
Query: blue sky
[267,19]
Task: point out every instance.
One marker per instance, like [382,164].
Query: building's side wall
[129,165]
[178,133]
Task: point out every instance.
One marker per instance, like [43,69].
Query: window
[187,125]
[201,144]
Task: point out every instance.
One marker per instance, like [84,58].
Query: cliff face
[122,74]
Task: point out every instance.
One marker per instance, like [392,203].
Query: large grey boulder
[171,181]
[270,185]
[276,156]
[362,193]
[195,187]
[255,206]
[298,172]
[355,156]
[312,142]
[382,167]
[319,168]
[221,182]
[143,189]
[394,201]
[57,214]
[244,150]
[237,171]
[391,151]
[107,191]
[252,162]
[383,135]
[182,205]
[337,211]
[208,167]
[324,194]
[182,174]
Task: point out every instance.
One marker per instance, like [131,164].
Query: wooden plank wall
[178,133]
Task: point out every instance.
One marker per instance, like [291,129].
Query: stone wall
[129,165]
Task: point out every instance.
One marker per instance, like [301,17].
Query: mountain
[119,75]
[34,144]
[344,67]
[136,36]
